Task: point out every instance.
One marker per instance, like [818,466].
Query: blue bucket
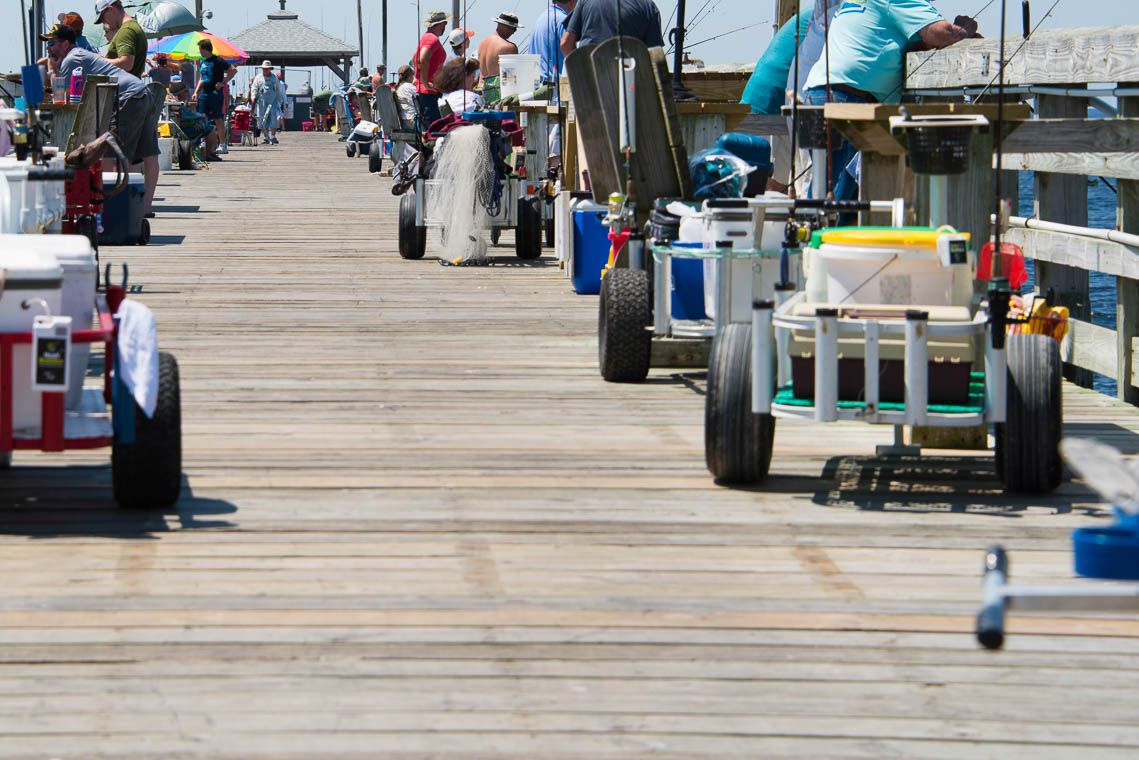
[687,285]
[1110,552]
[590,246]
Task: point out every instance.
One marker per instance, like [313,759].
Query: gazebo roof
[285,37]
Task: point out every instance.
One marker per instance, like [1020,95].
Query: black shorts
[136,127]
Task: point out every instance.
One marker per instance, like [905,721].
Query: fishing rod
[676,37]
[1005,63]
[997,263]
[725,34]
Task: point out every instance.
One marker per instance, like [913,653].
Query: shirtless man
[491,48]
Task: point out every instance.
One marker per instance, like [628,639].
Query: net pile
[465,173]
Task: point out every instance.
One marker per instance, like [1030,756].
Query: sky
[746,25]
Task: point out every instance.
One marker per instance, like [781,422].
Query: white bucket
[883,275]
[520,74]
[751,278]
[29,207]
[165,154]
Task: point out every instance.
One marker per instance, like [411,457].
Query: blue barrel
[590,246]
[687,287]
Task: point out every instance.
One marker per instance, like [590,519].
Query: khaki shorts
[136,127]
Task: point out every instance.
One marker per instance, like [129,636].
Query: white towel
[138,354]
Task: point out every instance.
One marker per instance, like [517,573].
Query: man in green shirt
[128,52]
[128,46]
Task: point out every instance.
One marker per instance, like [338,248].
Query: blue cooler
[590,246]
[123,222]
[687,285]
[757,152]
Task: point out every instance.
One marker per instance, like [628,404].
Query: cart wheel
[144,232]
[412,239]
[1030,442]
[375,158]
[495,235]
[528,232]
[185,155]
[350,148]
[549,233]
[737,443]
[148,472]
[624,342]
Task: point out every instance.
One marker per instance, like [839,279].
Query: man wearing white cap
[268,101]
[459,40]
[491,48]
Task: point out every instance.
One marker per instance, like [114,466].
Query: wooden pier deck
[416,524]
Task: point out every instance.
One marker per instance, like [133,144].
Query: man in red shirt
[429,58]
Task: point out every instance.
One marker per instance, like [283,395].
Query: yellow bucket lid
[887,237]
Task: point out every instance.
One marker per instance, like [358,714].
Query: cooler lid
[70,251]
[909,237]
[27,269]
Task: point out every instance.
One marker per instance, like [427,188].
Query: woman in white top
[405,95]
[456,80]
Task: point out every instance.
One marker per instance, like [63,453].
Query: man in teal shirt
[864,58]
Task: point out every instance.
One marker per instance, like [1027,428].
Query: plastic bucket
[687,287]
[1110,552]
[520,74]
[886,275]
[590,246]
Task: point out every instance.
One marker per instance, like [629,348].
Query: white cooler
[29,207]
[28,274]
[77,259]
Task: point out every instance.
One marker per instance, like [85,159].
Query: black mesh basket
[939,150]
[814,130]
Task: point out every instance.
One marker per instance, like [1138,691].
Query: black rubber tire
[375,158]
[350,148]
[528,232]
[549,225]
[495,235]
[147,474]
[412,239]
[1030,448]
[144,232]
[737,443]
[624,342]
[185,154]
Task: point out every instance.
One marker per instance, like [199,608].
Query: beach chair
[344,120]
[387,113]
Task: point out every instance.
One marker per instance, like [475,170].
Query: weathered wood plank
[1090,347]
[1119,165]
[1051,56]
[1085,253]
[1046,135]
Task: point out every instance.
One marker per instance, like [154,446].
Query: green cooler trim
[976,405]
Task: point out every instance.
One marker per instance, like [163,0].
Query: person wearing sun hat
[268,102]
[491,48]
[428,59]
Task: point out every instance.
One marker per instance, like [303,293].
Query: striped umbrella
[181,47]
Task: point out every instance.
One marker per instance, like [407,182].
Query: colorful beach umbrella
[182,47]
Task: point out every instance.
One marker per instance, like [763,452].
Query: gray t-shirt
[594,21]
[93,63]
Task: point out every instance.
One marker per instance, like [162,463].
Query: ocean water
[1101,213]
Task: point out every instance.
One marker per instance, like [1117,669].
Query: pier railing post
[1064,198]
[1127,290]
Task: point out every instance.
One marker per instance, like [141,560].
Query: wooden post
[1127,291]
[785,12]
[1064,198]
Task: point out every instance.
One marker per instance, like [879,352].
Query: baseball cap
[457,36]
[60,32]
[101,6]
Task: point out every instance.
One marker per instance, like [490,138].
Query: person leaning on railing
[864,57]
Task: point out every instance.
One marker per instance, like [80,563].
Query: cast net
[464,177]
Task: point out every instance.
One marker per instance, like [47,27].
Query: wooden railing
[1062,72]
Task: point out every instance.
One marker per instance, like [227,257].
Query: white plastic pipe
[782,336]
[938,201]
[819,177]
[826,365]
[762,357]
[996,380]
[723,292]
[662,288]
[917,368]
[872,369]
[1069,229]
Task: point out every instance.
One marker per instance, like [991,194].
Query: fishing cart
[509,200]
[886,331]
